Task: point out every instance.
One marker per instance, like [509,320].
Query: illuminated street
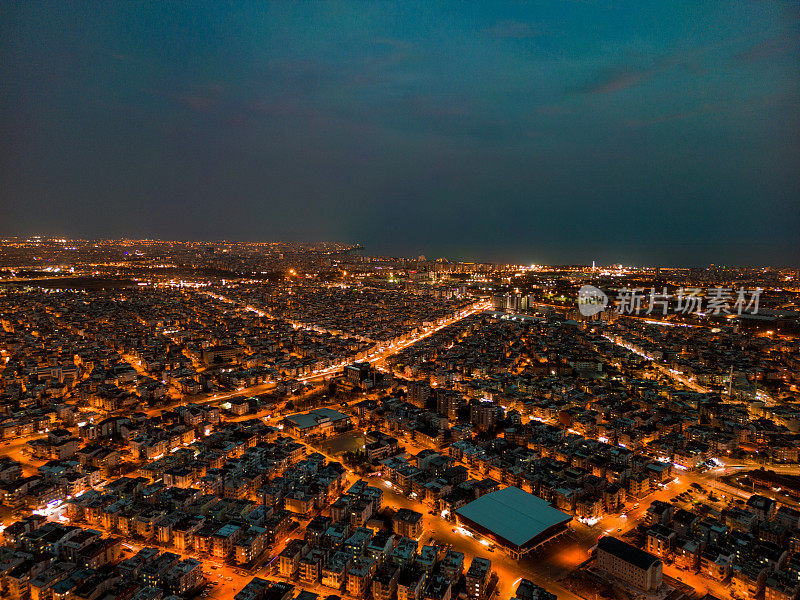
[400,301]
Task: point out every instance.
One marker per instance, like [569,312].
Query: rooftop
[632,554]
[514,515]
[315,417]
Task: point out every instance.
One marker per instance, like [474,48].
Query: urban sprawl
[276,421]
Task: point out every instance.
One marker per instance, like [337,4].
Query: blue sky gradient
[634,132]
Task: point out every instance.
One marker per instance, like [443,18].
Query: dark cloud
[517,30]
[613,80]
[765,50]
[698,111]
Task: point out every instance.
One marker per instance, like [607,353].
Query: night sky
[647,133]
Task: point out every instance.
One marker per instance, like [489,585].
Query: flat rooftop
[514,516]
[314,417]
[632,554]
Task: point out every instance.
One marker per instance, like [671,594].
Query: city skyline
[31,242]
[514,133]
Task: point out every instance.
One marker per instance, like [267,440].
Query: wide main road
[382,350]
[379,354]
[671,373]
[385,350]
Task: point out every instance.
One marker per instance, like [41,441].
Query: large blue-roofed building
[319,421]
[514,519]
